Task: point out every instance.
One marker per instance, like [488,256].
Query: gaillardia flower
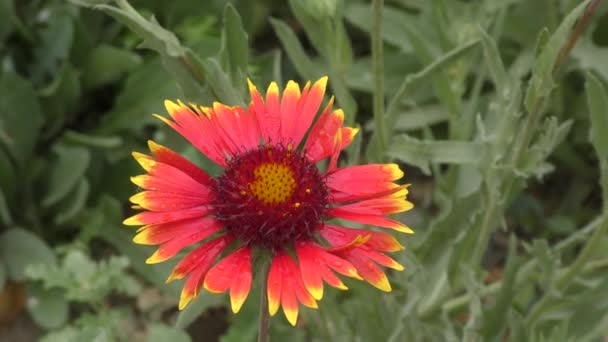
[275,195]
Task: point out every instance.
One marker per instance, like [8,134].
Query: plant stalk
[264,315]
[378,72]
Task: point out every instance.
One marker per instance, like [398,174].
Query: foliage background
[500,128]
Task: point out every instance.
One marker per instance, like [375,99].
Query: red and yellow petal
[157,234]
[320,142]
[368,270]
[370,179]
[289,106]
[302,118]
[234,273]
[374,220]
[196,129]
[166,201]
[202,256]
[169,249]
[378,206]
[315,262]
[286,288]
[170,157]
[165,177]
[153,217]
[381,241]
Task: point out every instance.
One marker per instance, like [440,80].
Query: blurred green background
[501,129]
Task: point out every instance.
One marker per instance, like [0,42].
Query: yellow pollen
[274,183]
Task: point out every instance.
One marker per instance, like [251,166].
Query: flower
[272,197]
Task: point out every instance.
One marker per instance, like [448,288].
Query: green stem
[378,72]
[264,315]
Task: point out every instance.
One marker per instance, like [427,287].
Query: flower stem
[264,315]
[378,72]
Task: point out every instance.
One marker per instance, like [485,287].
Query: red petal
[156,234]
[314,261]
[377,240]
[197,130]
[151,217]
[201,257]
[234,273]
[284,275]
[368,269]
[374,220]
[370,179]
[170,248]
[172,178]
[170,157]
[165,201]
[289,113]
[310,105]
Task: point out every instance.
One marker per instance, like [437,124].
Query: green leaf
[597,101]
[7,12]
[73,204]
[161,333]
[235,50]
[176,58]
[294,49]
[541,83]
[55,42]
[494,62]
[8,177]
[3,274]
[591,56]
[60,99]
[20,248]
[69,169]
[422,153]
[492,327]
[106,64]
[20,116]
[417,118]
[143,94]
[48,308]
[92,140]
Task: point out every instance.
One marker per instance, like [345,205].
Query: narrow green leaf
[92,140]
[69,169]
[597,101]
[494,318]
[20,248]
[235,50]
[541,83]
[221,84]
[417,118]
[494,62]
[294,50]
[422,153]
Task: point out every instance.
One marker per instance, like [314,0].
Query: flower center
[273,184]
[270,197]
